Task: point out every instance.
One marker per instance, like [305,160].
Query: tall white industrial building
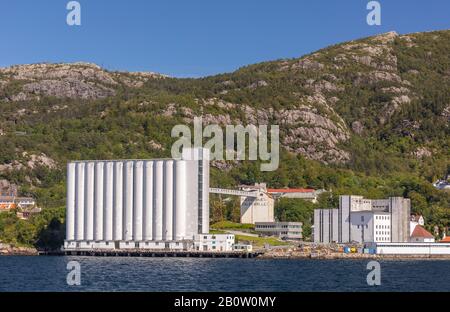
[120,204]
[364,220]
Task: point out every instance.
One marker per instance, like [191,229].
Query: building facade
[118,204]
[258,208]
[363,220]
[283,230]
[214,242]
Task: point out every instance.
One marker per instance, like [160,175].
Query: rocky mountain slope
[75,81]
[375,105]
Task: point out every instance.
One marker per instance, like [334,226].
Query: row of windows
[382,233]
[381,217]
[383,239]
[274,227]
[214,237]
[135,244]
[382,226]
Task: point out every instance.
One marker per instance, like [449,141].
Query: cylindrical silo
[180,201]
[205,194]
[148,201]
[98,201]
[89,199]
[118,201]
[128,201]
[138,200]
[108,199]
[168,201]
[70,210]
[79,202]
[158,200]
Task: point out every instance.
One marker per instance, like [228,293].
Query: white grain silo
[137,203]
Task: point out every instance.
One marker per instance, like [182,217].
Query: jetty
[153,253]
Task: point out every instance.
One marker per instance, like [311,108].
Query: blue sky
[192,38]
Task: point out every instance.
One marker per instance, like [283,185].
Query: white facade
[382,227]
[363,220]
[259,208]
[214,242]
[137,203]
[413,249]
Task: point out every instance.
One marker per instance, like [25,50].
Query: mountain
[370,117]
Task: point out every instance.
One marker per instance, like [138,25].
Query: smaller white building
[382,227]
[214,242]
[413,249]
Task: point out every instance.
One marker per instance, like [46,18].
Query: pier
[153,253]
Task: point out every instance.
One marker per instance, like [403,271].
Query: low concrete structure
[283,230]
[413,248]
[214,242]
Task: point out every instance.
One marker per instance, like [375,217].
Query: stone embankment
[7,250]
[323,253]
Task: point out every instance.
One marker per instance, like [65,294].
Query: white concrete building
[214,242]
[283,230]
[363,220]
[413,248]
[258,208]
[124,204]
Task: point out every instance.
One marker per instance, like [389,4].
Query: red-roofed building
[446,239]
[421,235]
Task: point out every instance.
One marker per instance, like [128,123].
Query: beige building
[259,208]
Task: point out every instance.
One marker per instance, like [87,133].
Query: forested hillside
[368,117]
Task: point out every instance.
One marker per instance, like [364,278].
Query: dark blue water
[189,274]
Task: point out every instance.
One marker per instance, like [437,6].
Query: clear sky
[192,38]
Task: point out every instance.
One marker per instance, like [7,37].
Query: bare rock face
[69,88]
[422,152]
[303,130]
[446,113]
[40,160]
[357,127]
[315,136]
[308,63]
[258,84]
[75,81]
[155,146]
[30,161]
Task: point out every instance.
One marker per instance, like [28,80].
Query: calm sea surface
[189,274]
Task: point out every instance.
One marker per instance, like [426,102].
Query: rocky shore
[328,254]
[8,250]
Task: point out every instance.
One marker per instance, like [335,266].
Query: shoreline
[268,255]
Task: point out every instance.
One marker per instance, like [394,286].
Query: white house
[421,235]
[214,242]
